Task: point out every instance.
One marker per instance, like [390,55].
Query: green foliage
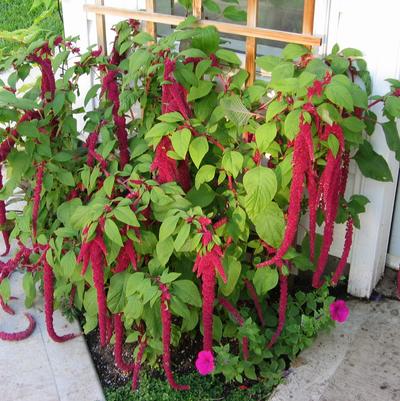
[209,176]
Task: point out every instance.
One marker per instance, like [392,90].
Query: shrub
[185,188]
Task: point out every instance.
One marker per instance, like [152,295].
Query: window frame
[250,31]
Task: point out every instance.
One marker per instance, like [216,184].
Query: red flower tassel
[119,330]
[48,290]
[346,250]
[166,338]
[253,295]
[283,286]
[3,221]
[240,321]
[301,162]
[138,363]
[21,335]
[36,197]
[97,253]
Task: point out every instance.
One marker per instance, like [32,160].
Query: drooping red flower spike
[138,363]
[48,290]
[119,340]
[345,254]
[167,169]
[240,321]
[301,162]
[3,221]
[253,295]
[283,295]
[111,88]
[21,335]
[36,197]
[126,256]
[166,337]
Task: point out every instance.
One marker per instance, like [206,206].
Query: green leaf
[328,113]
[182,236]
[28,285]
[235,110]
[265,134]
[187,291]
[234,14]
[333,144]
[270,224]
[112,232]
[202,67]
[5,289]
[392,106]
[108,185]
[265,279]
[167,227]
[134,283]
[207,39]
[268,63]
[372,164]
[228,56]
[232,162]
[205,174]
[198,149]
[8,99]
[274,108]
[133,308]
[137,60]
[339,95]
[392,137]
[125,215]
[197,92]
[211,6]
[159,130]
[353,123]
[28,129]
[164,250]
[293,51]
[173,117]
[292,124]
[116,292]
[282,71]
[142,38]
[232,269]
[180,141]
[261,185]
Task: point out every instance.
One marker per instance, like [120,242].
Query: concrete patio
[38,369]
[357,361]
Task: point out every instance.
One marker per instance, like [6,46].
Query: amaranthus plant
[173,208]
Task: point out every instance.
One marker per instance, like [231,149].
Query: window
[268,26]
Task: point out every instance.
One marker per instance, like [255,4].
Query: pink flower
[339,311]
[205,363]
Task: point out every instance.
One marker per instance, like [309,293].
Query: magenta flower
[205,363]
[339,311]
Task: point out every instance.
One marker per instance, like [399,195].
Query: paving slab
[357,361]
[38,369]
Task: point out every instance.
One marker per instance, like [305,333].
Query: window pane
[283,15]
[169,7]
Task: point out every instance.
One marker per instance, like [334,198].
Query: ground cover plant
[174,211]
[26,20]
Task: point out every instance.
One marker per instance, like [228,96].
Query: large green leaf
[339,95]
[235,110]
[265,279]
[372,164]
[270,224]
[232,162]
[392,137]
[261,185]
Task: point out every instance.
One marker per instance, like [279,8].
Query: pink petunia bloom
[339,311]
[205,363]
